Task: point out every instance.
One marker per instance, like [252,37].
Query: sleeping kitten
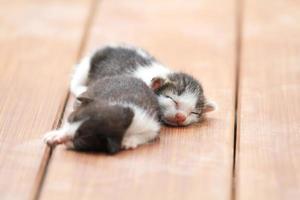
[180,96]
[118,112]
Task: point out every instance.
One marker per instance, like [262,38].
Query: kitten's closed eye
[196,113]
[176,103]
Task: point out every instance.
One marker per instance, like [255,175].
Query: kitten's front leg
[63,135]
[56,137]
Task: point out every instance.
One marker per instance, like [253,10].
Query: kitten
[180,96]
[114,113]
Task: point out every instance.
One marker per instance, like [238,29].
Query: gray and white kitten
[180,96]
[114,113]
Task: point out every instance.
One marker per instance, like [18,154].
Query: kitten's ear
[84,98]
[113,145]
[158,82]
[209,106]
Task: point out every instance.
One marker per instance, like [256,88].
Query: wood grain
[269,113]
[39,43]
[197,37]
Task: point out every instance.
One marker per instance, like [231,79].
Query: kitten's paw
[56,137]
[130,143]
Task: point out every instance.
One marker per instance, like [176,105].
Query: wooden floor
[245,52]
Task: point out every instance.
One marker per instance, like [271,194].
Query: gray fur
[107,122]
[125,89]
[111,61]
[104,127]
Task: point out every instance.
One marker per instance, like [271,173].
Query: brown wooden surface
[268,164]
[187,163]
[39,41]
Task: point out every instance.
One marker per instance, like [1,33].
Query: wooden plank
[187,163]
[269,112]
[39,43]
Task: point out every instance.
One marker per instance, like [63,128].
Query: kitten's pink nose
[180,117]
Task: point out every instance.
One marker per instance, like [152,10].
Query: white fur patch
[142,53]
[143,128]
[187,101]
[62,135]
[147,73]
[80,76]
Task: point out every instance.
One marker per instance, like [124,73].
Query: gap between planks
[239,35]
[46,159]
